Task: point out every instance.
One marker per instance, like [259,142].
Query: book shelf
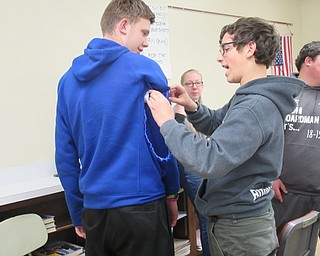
[36,189]
[53,204]
[187,224]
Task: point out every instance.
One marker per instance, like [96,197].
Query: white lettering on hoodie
[257,193]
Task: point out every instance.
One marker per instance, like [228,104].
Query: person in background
[297,191]
[242,155]
[111,158]
[190,182]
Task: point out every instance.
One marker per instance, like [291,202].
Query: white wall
[40,38]
[310,20]
[198,45]
[38,42]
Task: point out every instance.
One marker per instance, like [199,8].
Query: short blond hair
[117,10]
[187,72]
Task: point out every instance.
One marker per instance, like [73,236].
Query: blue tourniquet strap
[150,144]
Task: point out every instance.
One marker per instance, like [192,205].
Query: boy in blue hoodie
[242,154]
[111,158]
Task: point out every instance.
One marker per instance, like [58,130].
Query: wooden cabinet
[52,204]
[36,189]
[187,226]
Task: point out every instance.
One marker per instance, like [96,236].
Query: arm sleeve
[162,154]
[231,144]
[156,80]
[68,167]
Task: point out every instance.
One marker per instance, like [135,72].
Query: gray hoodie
[243,154]
[301,161]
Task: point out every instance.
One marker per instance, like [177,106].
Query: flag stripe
[283,65]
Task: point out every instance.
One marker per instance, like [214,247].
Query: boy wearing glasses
[242,155]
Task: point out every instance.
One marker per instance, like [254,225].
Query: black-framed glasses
[222,48]
[191,84]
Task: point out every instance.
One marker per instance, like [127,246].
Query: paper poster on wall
[158,49]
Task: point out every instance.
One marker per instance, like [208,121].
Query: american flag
[283,65]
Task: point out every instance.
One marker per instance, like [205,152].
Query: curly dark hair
[311,50]
[253,29]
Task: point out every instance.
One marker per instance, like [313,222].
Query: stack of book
[181,247]
[60,248]
[49,223]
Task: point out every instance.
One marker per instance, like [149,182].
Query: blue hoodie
[109,150]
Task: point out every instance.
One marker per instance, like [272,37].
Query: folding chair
[299,237]
[22,234]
